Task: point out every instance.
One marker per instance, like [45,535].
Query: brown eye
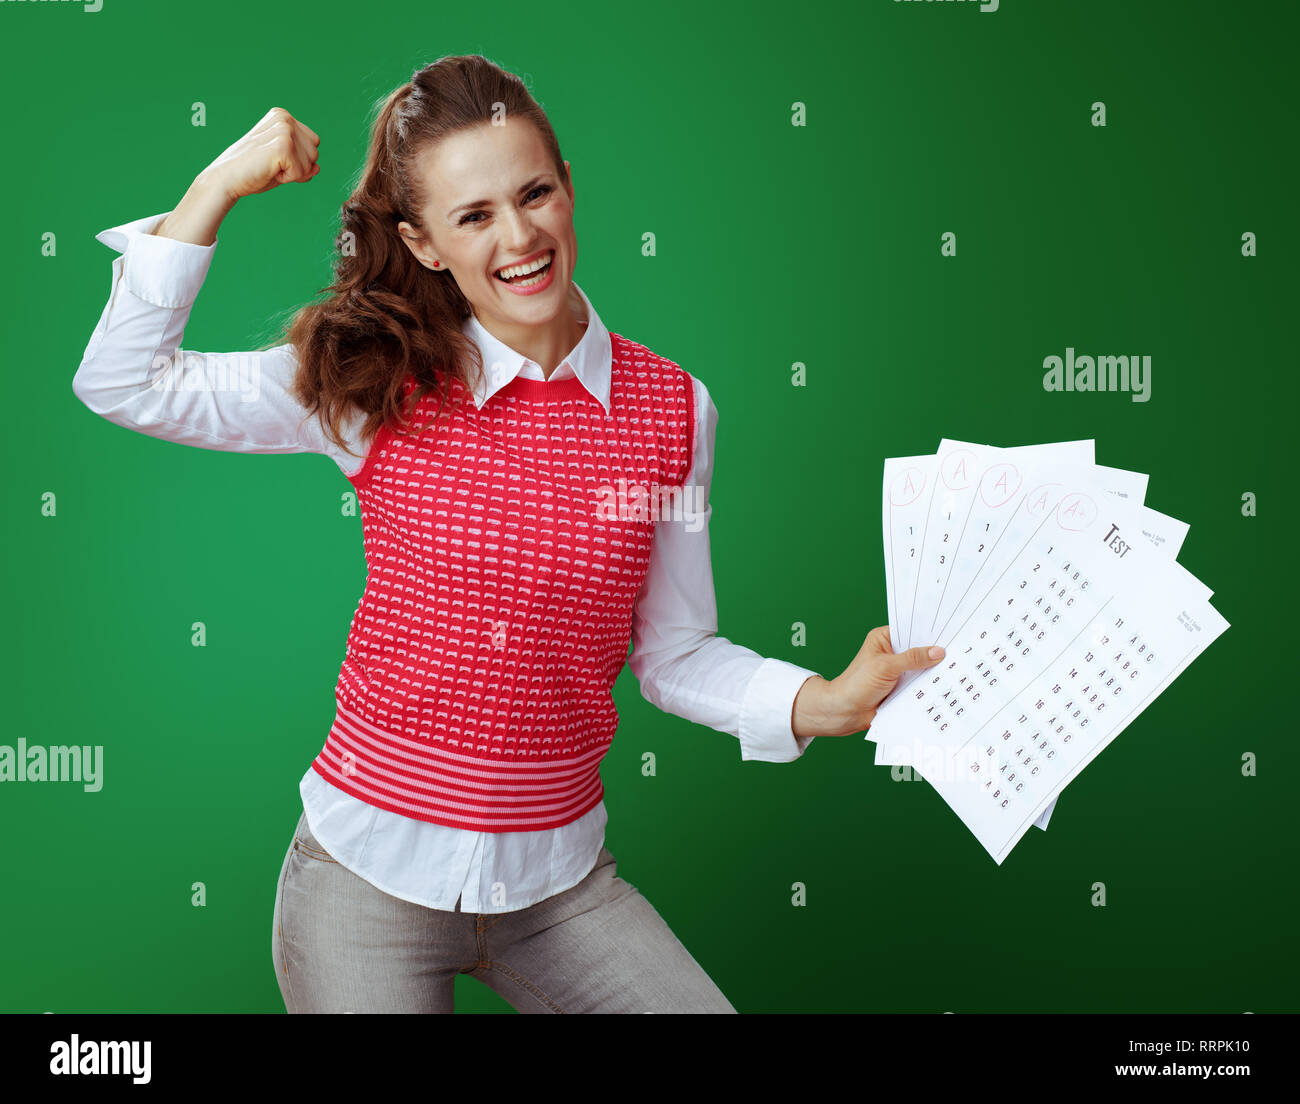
[544,189]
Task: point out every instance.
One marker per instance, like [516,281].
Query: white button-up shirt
[242,402]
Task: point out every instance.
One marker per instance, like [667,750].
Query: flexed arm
[135,374]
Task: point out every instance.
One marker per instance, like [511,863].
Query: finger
[877,640]
[918,658]
[296,155]
[312,159]
[304,158]
[876,644]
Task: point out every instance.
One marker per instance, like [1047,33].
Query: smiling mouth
[530,276]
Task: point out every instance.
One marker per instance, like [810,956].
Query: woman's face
[494,201]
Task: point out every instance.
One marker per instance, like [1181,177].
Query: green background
[776,244]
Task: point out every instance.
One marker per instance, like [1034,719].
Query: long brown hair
[387,316]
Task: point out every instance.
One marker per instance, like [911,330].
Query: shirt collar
[590,360]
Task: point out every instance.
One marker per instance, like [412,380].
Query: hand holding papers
[1063,614]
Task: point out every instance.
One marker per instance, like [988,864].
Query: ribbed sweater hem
[425,781]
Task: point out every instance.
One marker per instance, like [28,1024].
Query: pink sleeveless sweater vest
[476,686]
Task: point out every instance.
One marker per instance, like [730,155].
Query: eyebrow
[487,202]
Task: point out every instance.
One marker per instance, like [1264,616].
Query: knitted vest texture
[505,549]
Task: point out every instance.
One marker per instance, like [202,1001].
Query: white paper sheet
[1074,623]
[970,489]
[999,472]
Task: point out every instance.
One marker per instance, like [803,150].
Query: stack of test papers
[1057,596]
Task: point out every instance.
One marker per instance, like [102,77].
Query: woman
[526,515]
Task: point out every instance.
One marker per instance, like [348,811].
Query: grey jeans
[341,945]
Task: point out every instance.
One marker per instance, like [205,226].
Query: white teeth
[522,270]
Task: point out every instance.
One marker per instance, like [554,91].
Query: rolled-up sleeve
[682,665]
